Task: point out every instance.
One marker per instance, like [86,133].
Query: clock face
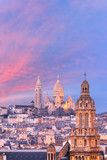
[80,142]
[92,142]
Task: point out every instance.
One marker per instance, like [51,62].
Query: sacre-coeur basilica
[46,107]
[57,100]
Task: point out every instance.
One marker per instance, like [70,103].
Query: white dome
[58,90]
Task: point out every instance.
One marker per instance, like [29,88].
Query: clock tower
[85,138]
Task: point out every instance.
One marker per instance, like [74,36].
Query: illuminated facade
[58,99]
[85,139]
[58,91]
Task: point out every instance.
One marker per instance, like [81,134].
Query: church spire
[38,93]
[38,83]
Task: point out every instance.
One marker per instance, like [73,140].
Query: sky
[47,38]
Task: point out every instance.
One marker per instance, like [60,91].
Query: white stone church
[57,98]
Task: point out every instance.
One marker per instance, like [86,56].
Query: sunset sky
[50,37]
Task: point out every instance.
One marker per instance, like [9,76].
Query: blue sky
[49,38]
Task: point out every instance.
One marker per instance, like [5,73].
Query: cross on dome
[58,77]
[85,75]
[38,77]
[47,93]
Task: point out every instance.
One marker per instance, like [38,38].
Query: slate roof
[23,106]
[25,155]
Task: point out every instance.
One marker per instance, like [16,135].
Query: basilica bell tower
[85,138]
[38,94]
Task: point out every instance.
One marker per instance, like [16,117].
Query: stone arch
[76,157]
[79,157]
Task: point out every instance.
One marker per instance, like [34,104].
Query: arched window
[82,157]
[85,90]
[75,142]
[85,142]
[92,119]
[51,156]
[76,157]
[79,158]
[48,156]
[80,120]
[54,156]
[86,120]
[96,142]
[80,104]
[85,131]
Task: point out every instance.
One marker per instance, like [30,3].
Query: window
[96,142]
[92,119]
[54,156]
[80,120]
[86,120]
[76,157]
[85,131]
[80,104]
[75,142]
[48,156]
[85,142]
[51,156]
[82,157]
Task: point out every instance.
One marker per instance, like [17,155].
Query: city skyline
[50,38]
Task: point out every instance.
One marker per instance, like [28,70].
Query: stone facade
[85,139]
[58,99]
[51,152]
[58,91]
